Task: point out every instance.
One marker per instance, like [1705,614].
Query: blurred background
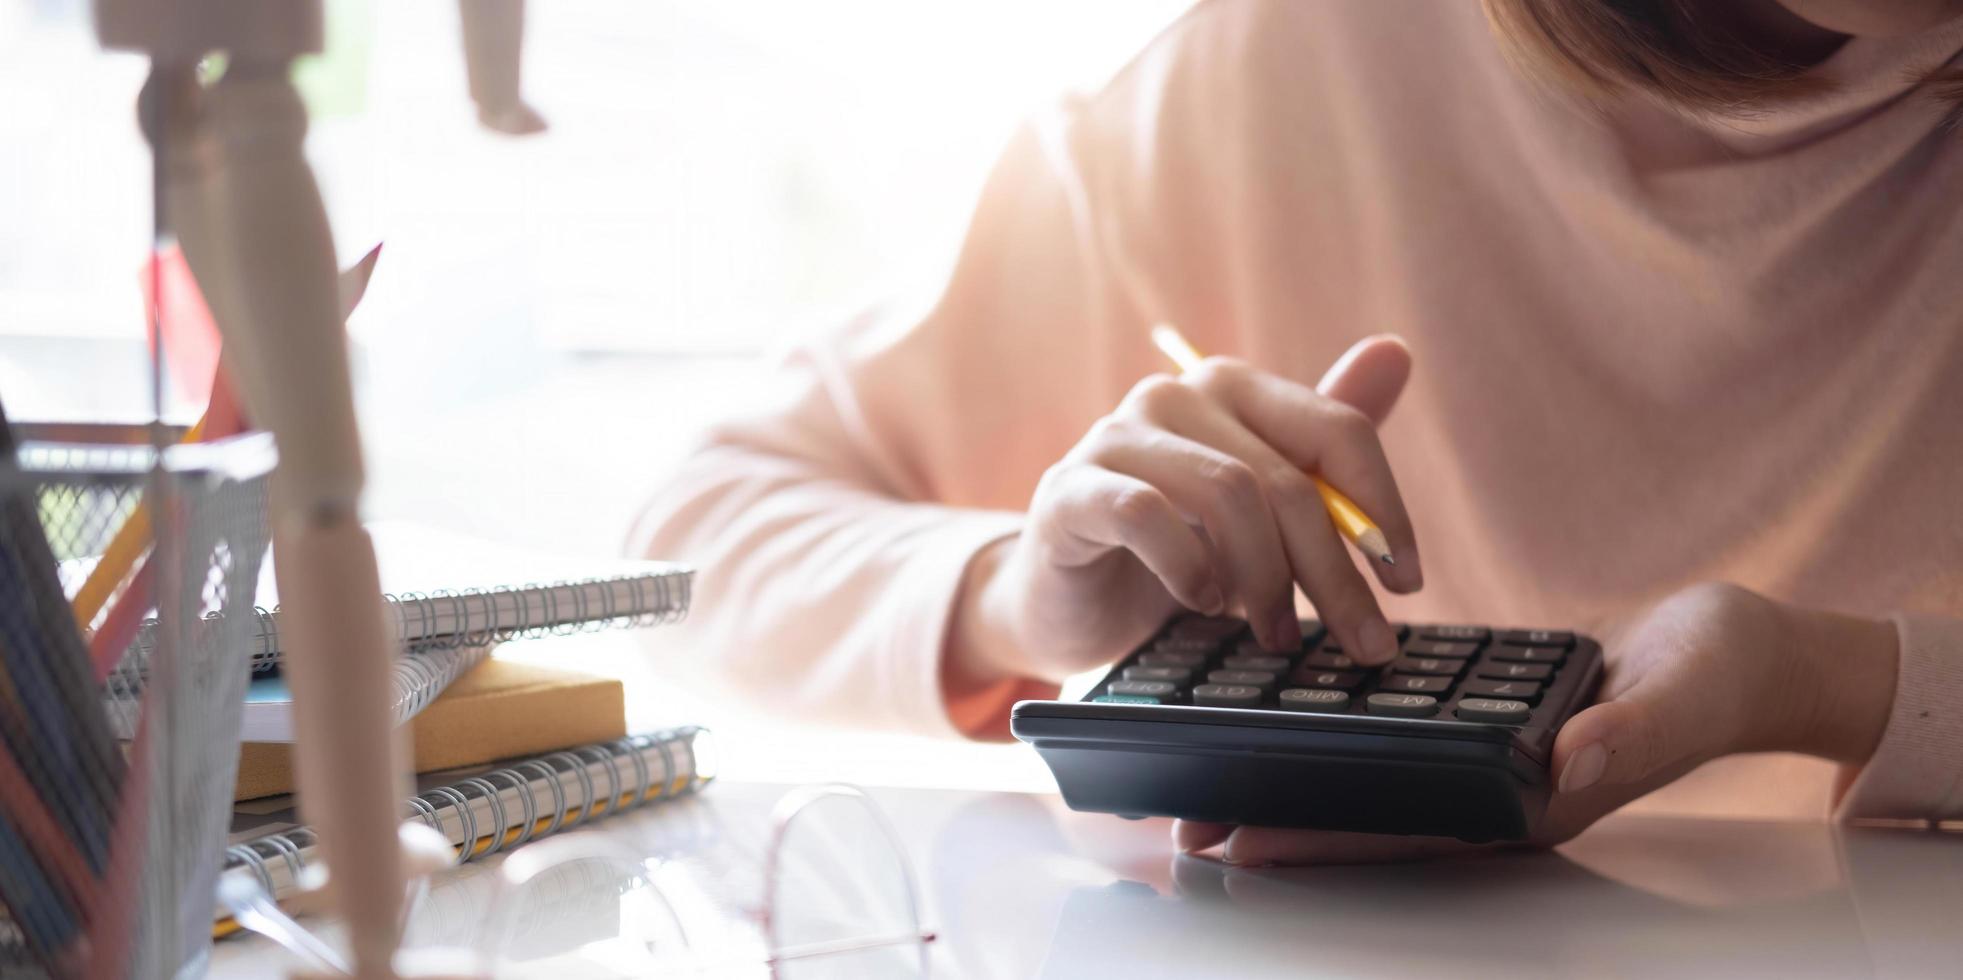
[554,316]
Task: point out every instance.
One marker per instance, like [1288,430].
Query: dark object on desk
[1452,739]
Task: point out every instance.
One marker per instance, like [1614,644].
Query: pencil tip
[1388,560]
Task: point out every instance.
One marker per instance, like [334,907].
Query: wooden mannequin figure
[236,189]
[493,46]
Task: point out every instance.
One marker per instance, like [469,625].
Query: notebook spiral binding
[425,677]
[625,788]
[476,617]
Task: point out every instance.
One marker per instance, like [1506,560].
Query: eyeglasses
[821,889]
[827,892]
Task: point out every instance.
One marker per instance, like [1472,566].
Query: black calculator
[1451,739]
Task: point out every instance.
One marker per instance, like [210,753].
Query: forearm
[815,595]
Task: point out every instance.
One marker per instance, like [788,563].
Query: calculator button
[1433,666]
[1244,661]
[1175,675]
[1527,691]
[1251,678]
[1330,661]
[1206,628]
[1415,684]
[1493,710]
[1311,632]
[1125,699]
[1342,680]
[1227,696]
[1456,634]
[1180,644]
[1515,672]
[1143,689]
[1332,645]
[1440,648]
[1403,705]
[1538,638]
[1528,655]
[1171,658]
[1314,699]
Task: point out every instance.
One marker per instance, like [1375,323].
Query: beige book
[499,710]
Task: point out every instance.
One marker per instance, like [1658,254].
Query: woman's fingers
[1645,732]
[1369,376]
[1229,448]
[1620,750]
[1256,846]
[1319,434]
[1315,552]
[1222,494]
[1198,835]
[1096,510]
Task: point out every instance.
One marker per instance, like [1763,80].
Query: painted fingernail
[1379,643]
[1584,768]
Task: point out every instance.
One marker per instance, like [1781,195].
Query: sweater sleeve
[1916,773]
[832,531]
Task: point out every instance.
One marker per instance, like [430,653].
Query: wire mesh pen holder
[133,811]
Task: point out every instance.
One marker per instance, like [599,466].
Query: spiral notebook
[512,593]
[416,679]
[486,809]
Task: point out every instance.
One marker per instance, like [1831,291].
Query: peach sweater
[1651,351]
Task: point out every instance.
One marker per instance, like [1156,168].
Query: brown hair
[1604,47]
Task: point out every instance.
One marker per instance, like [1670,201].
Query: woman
[1685,282]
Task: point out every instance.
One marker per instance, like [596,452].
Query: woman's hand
[1194,492]
[1709,671]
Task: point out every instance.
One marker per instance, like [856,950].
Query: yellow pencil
[120,556]
[1343,512]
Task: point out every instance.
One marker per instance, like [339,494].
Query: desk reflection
[1018,886]
[1636,896]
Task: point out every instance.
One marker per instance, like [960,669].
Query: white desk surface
[1016,885]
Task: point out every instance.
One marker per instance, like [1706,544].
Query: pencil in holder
[111,848]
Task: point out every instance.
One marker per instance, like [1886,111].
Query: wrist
[1848,666]
[979,642]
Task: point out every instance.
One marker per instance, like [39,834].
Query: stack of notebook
[468,713]
[491,710]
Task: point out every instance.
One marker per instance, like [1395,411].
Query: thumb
[1644,736]
[1370,375]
